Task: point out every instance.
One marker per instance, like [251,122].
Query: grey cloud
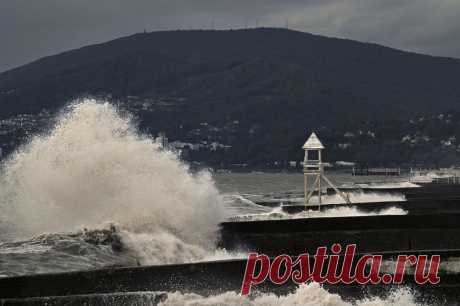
[32,29]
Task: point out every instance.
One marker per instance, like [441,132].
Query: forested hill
[256,92]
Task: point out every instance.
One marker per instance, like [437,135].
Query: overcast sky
[30,29]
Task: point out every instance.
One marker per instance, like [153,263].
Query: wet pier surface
[371,233]
[418,206]
[429,198]
[151,284]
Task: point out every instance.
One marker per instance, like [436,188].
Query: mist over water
[93,168]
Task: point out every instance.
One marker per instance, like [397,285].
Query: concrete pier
[418,206]
[137,285]
[370,233]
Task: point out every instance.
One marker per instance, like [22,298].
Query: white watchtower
[313,166]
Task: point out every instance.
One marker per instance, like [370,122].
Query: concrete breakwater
[417,206]
[116,286]
[387,235]
[370,233]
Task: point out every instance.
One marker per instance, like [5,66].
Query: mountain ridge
[224,30]
[277,82]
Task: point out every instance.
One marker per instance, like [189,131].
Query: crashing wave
[93,168]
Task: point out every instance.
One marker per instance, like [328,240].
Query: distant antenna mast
[313,166]
[287,23]
[257,23]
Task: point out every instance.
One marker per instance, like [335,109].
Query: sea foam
[94,168]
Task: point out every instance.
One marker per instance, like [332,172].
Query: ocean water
[93,192]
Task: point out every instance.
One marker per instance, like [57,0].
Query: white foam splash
[165,248]
[93,167]
[237,203]
[359,197]
[278,213]
[451,265]
[429,177]
[390,185]
[309,295]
